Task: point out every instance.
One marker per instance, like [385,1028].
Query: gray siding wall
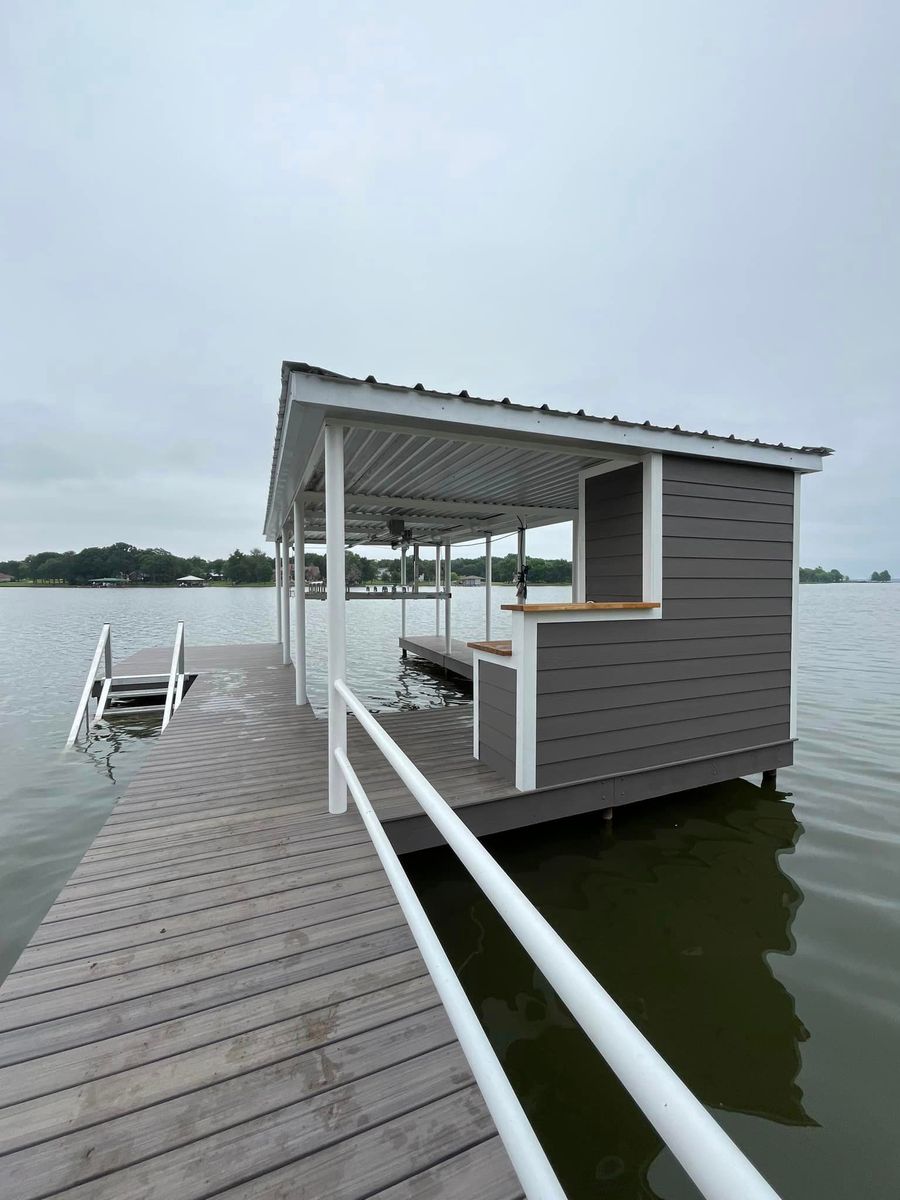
[497,718]
[613,523]
[713,675]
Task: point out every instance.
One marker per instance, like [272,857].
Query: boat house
[674,663]
[239,990]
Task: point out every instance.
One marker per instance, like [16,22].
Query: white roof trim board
[473,465]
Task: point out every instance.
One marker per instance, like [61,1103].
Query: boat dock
[238,991]
[226,996]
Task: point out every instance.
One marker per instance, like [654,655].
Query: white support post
[447,595]
[285,599]
[652,528]
[795,606]
[415,579]
[403,591]
[576,563]
[278,586]
[437,589]
[300,601]
[337,632]
[488,575]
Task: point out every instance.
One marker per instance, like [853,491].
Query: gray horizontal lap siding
[497,718]
[712,676]
[613,563]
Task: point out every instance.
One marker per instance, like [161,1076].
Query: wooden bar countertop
[586,606]
[504,649]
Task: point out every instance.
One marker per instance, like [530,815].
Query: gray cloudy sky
[686,211]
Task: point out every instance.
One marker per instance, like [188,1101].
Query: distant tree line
[134,565]
[820,575]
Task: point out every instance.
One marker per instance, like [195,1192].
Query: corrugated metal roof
[420,390]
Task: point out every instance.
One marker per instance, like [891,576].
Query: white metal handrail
[104,648]
[707,1153]
[176,677]
[525,1151]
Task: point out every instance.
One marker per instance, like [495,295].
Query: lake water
[754,937]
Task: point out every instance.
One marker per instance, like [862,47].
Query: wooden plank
[503,648]
[482,1171]
[280,1137]
[143,1132]
[586,606]
[226,993]
[143,1085]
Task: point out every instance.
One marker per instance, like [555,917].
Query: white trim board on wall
[651,541]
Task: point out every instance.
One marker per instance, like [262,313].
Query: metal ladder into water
[128,695]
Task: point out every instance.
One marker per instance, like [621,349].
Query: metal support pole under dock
[336,587]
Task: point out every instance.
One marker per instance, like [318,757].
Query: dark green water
[752,936]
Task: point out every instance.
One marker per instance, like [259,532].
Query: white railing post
[107,657]
[285,598]
[488,570]
[81,712]
[278,586]
[300,600]
[337,633]
[447,596]
[176,668]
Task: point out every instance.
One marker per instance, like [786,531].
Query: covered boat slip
[226,996]
[674,664]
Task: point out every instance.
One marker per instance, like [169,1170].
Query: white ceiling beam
[473,509]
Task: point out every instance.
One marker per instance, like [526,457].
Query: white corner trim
[652,541]
[795,605]
[524,659]
[476,660]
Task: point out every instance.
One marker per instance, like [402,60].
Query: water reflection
[678,910]
[107,740]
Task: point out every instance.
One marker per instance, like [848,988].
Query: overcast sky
[687,211]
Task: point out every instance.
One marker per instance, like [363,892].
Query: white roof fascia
[353,403]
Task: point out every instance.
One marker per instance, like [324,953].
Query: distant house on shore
[470,581]
[4,578]
[191,581]
[109,582]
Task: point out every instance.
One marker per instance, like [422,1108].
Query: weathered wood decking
[225,999]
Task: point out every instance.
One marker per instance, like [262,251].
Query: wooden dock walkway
[225,999]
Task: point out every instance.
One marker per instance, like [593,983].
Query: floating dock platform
[433,648]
